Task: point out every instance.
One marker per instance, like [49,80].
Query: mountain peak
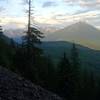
[80,32]
[82,25]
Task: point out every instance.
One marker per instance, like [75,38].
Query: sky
[47,13]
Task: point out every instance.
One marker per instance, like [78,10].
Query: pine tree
[13,44]
[64,66]
[50,73]
[1,31]
[33,35]
[92,86]
[2,57]
[46,71]
[98,90]
[64,76]
[33,52]
[88,86]
[6,51]
[75,56]
[29,53]
[75,62]
[84,90]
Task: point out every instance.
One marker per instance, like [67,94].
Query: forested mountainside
[55,50]
[61,67]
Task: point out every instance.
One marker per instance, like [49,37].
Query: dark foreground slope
[13,87]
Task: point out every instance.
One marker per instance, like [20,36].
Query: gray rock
[13,87]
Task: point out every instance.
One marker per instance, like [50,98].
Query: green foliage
[75,62]
[75,56]
[28,55]
[46,71]
[88,86]
[6,51]
[64,76]
[22,64]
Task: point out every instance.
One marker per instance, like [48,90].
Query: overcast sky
[50,12]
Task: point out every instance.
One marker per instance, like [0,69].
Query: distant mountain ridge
[89,58]
[81,33]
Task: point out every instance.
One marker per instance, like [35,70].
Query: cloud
[13,22]
[82,11]
[90,4]
[63,19]
[57,19]
[49,4]
[46,20]
[55,13]
[84,3]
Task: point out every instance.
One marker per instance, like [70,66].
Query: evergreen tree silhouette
[47,72]
[29,52]
[6,51]
[1,31]
[98,90]
[64,77]
[75,56]
[13,44]
[92,86]
[88,86]
[75,62]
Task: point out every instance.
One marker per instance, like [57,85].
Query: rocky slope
[13,87]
